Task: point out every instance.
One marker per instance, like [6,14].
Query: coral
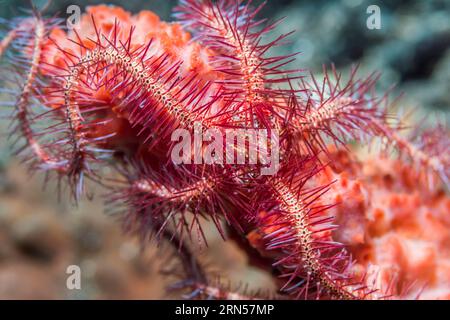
[112,91]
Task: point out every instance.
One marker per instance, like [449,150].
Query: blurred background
[40,236]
